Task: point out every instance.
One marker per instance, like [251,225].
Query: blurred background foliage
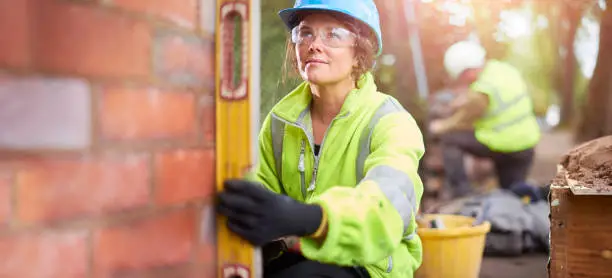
[554,43]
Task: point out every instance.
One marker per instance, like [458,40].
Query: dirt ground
[548,154]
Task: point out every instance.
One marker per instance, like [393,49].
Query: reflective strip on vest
[505,105]
[398,188]
[277,128]
[387,107]
[518,119]
[395,185]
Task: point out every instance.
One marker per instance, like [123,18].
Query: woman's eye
[339,33]
[305,34]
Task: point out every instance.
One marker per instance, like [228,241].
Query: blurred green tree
[273,40]
[596,116]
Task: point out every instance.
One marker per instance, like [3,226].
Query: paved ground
[532,266]
[549,152]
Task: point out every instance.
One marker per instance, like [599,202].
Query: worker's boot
[457,180]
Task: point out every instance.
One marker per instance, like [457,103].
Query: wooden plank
[581,245]
[588,237]
[558,233]
[236,258]
[582,190]
[579,189]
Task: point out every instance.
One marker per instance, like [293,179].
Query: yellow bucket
[455,251]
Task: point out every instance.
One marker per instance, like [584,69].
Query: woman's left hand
[260,215]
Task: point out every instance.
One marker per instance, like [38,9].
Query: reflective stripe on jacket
[510,124]
[365,177]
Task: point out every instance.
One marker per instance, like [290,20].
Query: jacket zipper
[313,181]
[302,169]
[310,141]
[312,185]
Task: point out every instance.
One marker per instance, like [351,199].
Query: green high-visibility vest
[510,124]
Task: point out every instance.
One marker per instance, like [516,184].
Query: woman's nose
[316,45]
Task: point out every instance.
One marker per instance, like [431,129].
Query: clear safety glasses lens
[333,37]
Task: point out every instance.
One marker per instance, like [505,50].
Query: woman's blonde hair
[365,47]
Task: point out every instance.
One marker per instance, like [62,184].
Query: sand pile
[591,163]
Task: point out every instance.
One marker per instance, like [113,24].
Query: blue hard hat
[362,10]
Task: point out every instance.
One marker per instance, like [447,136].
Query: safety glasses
[333,37]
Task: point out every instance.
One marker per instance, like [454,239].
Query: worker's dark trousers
[291,265]
[511,168]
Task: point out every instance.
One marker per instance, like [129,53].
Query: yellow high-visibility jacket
[365,177]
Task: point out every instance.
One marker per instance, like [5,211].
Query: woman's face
[324,49]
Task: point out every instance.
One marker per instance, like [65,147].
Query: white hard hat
[463,55]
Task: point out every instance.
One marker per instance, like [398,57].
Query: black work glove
[261,216]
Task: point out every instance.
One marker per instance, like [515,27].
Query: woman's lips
[315,61]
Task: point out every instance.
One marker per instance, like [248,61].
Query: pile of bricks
[106,138]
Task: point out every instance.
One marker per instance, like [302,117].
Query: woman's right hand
[261,216]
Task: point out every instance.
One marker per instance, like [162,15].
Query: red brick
[181,12]
[174,271]
[44,113]
[147,114]
[83,39]
[163,240]
[184,175]
[207,104]
[49,255]
[207,252]
[206,270]
[57,189]
[183,59]
[14,33]
[5,198]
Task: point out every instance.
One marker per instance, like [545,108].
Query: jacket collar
[293,106]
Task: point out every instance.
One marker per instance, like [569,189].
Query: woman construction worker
[493,118]
[338,160]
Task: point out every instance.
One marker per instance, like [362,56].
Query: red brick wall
[106,138]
